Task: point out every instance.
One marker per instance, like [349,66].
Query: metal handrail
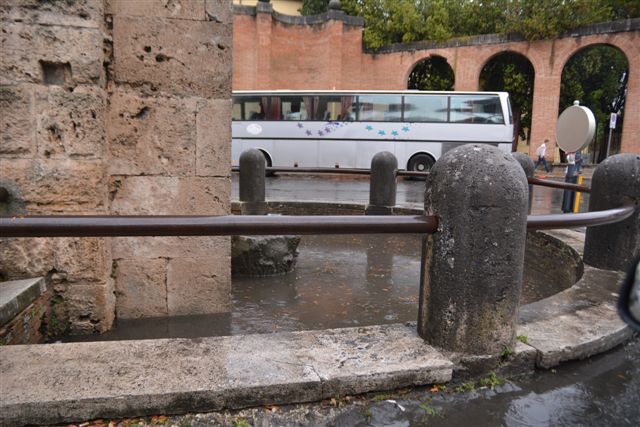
[562,185]
[113,226]
[398,172]
[589,219]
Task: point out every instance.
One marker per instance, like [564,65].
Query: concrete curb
[69,382]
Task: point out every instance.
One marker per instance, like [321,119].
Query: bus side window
[380,108]
[237,109]
[425,108]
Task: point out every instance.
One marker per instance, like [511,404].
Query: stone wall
[118,108]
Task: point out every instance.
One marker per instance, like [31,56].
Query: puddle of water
[339,281]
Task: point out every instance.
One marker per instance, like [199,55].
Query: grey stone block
[16,295]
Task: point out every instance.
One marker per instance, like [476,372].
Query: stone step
[578,322]
[16,295]
[57,383]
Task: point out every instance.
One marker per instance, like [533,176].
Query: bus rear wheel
[267,163]
[420,163]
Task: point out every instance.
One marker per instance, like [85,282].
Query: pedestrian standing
[541,153]
[579,162]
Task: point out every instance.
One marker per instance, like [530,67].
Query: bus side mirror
[629,302]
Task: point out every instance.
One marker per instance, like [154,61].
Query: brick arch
[566,56]
[503,51]
[413,65]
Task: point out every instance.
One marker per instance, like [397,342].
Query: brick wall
[325,52]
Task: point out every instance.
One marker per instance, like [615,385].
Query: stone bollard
[252,169]
[529,168]
[382,187]
[615,183]
[472,266]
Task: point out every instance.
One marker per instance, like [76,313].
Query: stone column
[382,186]
[252,186]
[615,183]
[472,266]
[529,168]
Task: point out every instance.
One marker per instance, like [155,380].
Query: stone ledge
[577,323]
[16,295]
[57,383]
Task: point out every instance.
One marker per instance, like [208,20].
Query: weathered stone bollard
[472,266]
[615,183]
[252,186]
[529,168]
[382,184]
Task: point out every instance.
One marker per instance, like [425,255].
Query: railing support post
[252,186]
[472,266]
[382,186]
[615,182]
[529,168]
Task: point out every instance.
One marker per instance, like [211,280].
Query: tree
[314,7]
[513,73]
[594,76]
[433,73]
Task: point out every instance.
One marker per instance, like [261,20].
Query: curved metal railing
[129,226]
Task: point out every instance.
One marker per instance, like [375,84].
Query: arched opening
[512,72]
[432,73]
[597,77]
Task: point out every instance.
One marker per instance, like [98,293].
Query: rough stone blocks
[17,121]
[169,195]
[213,149]
[29,52]
[151,135]
[153,52]
[176,9]
[199,285]
[141,288]
[55,186]
[77,13]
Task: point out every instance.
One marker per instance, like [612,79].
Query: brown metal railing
[354,171]
[112,226]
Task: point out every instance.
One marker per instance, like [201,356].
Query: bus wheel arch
[420,162]
[267,162]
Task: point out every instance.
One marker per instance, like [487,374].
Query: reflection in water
[339,281]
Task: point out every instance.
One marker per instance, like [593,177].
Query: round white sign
[575,129]
[254,129]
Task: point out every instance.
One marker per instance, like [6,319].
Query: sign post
[575,130]
[612,126]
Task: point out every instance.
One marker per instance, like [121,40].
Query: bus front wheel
[267,163]
[420,163]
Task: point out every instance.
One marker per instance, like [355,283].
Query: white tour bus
[347,128]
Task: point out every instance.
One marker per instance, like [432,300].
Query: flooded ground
[339,281]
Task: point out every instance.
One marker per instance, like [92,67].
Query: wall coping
[323,18]
[620,26]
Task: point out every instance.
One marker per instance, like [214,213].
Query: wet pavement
[409,193]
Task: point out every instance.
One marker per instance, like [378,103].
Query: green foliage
[592,76]
[314,7]
[394,21]
[465,387]
[433,73]
[491,381]
[426,406]
[523,339]
[506,352]
[241,423]
[513,73]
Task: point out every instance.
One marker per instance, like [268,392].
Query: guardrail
[132,226]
